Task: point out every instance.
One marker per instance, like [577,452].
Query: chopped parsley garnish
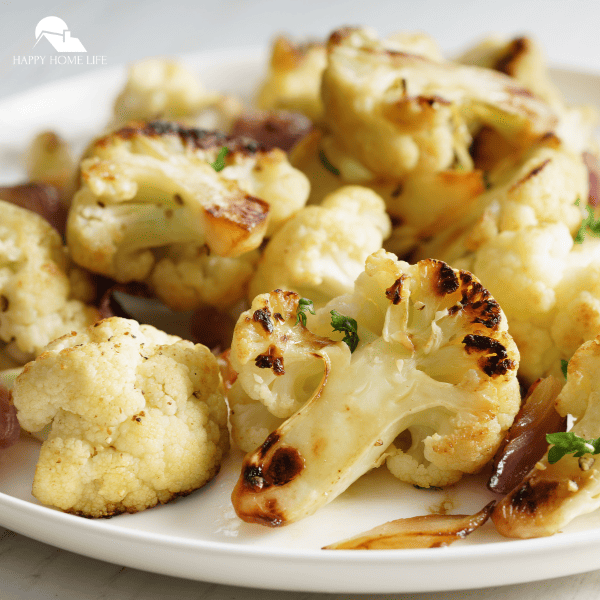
[348,326]
[563,366]
[219,163]
[327,164]
[568,442]
[304,304]
[587,224]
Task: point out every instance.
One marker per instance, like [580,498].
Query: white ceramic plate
[199,537]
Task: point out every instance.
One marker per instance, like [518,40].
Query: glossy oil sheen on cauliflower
[434,362]
[138,418]
[154,207]
[552,495]
[37,303]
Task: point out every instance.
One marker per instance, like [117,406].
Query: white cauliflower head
[138,417]
[434,362]
[158,191]
[322,249]
[552,495]
[37,304]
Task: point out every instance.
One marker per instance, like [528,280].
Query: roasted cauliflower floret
[251,421]
[155,194]
[421,131]
[519,243]
[189,276]
[295,71]
[49,160]
[138,417]
[37,303]
[167,89]
[524,60]
[294,78]
[322,249]
[397,112]
[434,362]
[542,186]
[520,57]
[552,495]
[550,289]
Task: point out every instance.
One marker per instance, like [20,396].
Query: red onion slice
[525,443]
[9,425]
[429,531]
[39,198]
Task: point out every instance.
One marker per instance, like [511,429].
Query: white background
[123,32]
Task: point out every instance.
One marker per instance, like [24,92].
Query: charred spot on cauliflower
[434,364]
[152,208]
[138,418]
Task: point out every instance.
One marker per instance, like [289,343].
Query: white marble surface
[127,31]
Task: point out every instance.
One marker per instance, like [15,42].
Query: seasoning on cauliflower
[322,249]
[155,207]
[138,417]
[37,303]
[552,495]
[434,362]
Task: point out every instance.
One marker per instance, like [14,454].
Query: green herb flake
[327,164]
[304,304]
[219,163]
[587,224]
[563,367]
[568,442]
[348,326]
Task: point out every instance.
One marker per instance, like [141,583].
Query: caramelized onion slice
[213,328]
[429,531]
[39,198]
[9,425]
[525,443]
[273,129]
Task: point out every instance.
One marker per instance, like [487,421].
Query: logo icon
[55,30]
